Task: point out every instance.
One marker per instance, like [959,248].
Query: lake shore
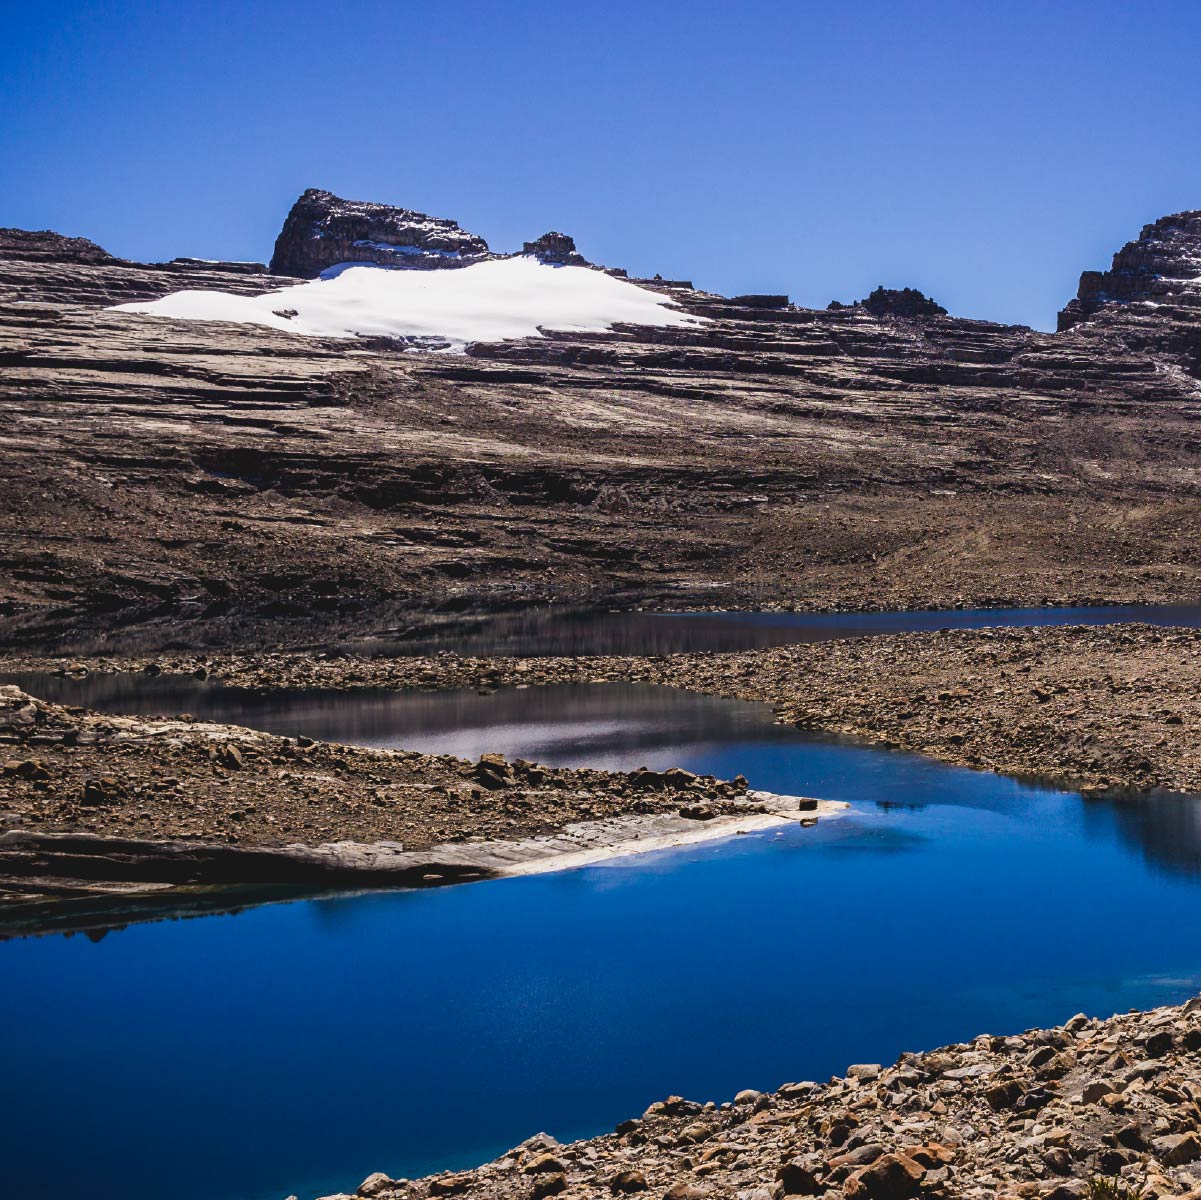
[1051,1114]
[90,799]
[1106,709]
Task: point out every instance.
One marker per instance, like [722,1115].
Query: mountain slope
[212,481]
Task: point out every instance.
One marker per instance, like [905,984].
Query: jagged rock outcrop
[895,302]
[557,249]
[323,230]
[1162,267]
[46,246]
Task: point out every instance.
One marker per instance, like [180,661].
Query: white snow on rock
[487,302]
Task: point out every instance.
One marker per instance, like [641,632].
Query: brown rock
[548,1185]
[627,1182]
[892,1177]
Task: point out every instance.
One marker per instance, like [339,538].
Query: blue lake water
[298,1047]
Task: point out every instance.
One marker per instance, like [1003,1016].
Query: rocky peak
[1162,267]
[558,249]
[895,302]
[45,246]
[323,230]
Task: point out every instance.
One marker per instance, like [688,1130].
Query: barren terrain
[191,483]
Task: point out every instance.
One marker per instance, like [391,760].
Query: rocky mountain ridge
[236,482]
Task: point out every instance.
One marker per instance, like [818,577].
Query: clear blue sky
[985,152]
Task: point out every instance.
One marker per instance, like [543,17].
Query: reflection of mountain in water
[558,632]
[1165,826]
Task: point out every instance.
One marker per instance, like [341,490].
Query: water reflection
[620,726]
[558,632]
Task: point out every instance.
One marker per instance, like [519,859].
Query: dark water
[558,632]
[298,1047]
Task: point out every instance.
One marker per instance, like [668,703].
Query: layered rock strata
[225,484]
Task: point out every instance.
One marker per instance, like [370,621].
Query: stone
[1177,1149]
[1003,1094]
[864,1072]
[627,1182]
[230,757]
[1158,1044]
[102,791]
[796,1179]
[543,1164]
[1058,1161]
[891,1177]
[374,1184]
[548,1185]
[29,768]
[683,1190]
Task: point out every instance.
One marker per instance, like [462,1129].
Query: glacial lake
[297,1047]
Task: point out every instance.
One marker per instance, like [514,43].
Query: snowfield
[487,302]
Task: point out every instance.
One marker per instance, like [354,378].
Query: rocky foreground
[1093,1109]
[1108,708]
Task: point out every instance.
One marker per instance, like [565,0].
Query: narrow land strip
[1106,708]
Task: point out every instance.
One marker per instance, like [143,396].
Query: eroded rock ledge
[1083,1110]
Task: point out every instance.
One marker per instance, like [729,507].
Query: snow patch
[487,302]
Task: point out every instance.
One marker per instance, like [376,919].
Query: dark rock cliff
[1162,267]
[895,302]
[558,249]
[323,230]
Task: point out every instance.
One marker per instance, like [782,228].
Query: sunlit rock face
[1161,268]
[323,230]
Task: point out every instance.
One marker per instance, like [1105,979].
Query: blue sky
[984,152]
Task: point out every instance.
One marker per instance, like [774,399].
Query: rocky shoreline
[91,800]
[1103,709]
[1091,1110]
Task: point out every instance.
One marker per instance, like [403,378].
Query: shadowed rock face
[1161,267]
[895,302]
[558,249]
[323,230]
[46,246]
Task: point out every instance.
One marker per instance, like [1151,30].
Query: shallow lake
[297,1047]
